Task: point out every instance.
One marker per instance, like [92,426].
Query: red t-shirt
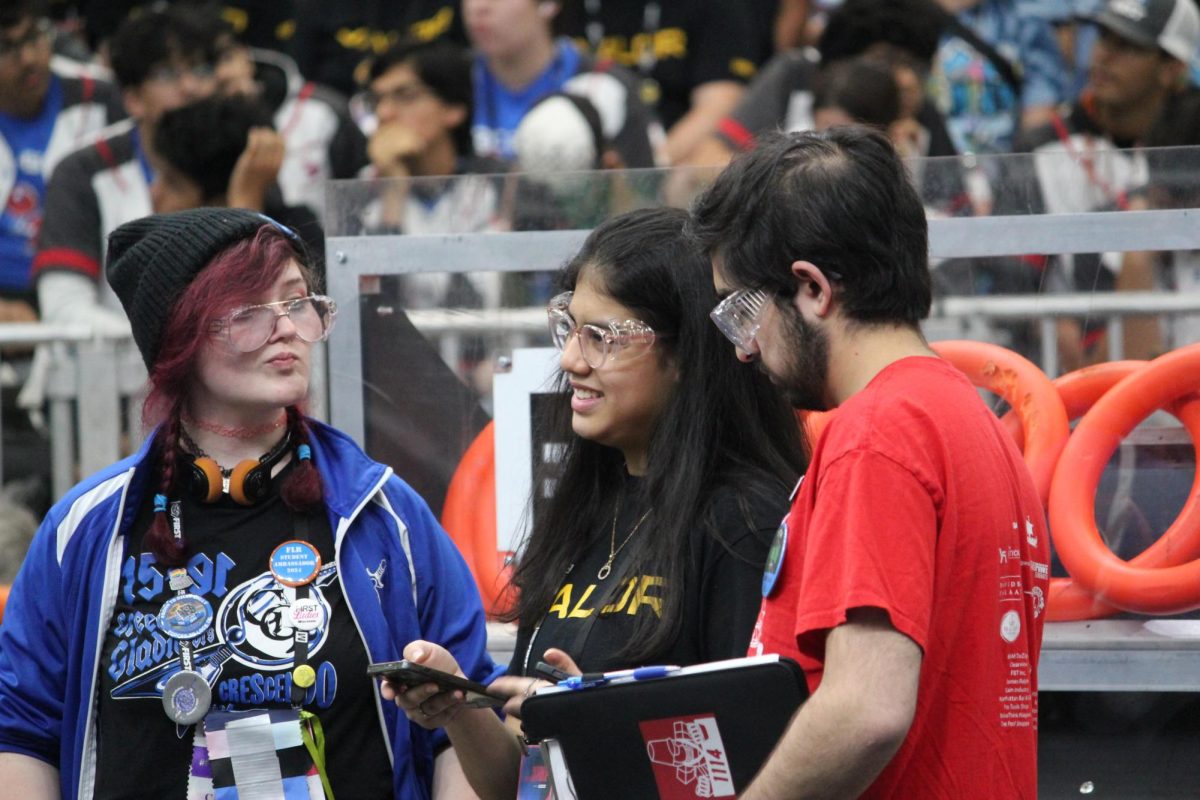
[917,503]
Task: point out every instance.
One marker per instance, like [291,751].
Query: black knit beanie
[152,260]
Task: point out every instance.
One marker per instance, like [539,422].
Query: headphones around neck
[247,483]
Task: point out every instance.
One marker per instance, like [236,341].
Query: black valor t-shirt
[722,590]
[246,654]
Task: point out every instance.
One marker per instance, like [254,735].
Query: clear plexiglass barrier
[1069,260]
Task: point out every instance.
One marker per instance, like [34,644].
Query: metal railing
[94,383]
[93,386]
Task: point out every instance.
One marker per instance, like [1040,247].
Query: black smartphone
[407,673]
[550,673]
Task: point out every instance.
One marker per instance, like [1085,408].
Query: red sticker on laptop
[688,757]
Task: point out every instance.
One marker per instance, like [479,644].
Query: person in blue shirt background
[519,61]
[43,115]
[983,106]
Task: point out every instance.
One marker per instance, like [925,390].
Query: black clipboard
[702,731]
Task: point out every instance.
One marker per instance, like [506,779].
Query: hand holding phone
[409,673]
[550,672]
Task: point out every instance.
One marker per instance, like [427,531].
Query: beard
[805,371]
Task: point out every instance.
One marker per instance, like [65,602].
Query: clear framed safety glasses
[738,316]
[625,339]
[248,328]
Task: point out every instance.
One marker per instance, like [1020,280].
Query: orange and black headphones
[247,483]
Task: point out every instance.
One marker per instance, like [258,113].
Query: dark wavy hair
[864,89]
[723,425]
[205,138]
[236,276]
[153,38]
[841,199]
[914,26]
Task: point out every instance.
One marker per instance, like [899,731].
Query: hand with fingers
[256,170]
[518,689]
[393,149]
[427,704]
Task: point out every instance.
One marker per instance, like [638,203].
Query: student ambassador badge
[295,563]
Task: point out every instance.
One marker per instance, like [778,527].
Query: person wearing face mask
[675,471]
[213,600]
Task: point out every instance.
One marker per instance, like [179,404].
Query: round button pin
[295,563]
[775,559]
[185,616]
[304,676]
[186,697]
[307,614]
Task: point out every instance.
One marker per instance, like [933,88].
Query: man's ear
[815,292]
[1173,75]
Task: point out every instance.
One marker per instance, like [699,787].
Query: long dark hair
[234,277]
[724,424]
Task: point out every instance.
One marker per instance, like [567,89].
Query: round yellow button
[304,676]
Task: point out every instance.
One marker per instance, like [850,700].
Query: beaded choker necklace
[235,432]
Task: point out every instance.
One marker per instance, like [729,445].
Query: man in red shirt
[912,569]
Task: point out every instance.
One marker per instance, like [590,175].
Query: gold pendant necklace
[613,547]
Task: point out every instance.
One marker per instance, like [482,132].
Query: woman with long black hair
[676,465]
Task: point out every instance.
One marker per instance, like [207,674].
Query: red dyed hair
[237,276]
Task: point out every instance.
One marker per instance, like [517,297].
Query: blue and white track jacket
[62,601]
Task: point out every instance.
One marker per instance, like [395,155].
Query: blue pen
[588,680]
[646,673]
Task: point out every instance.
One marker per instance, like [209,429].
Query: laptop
[697,732]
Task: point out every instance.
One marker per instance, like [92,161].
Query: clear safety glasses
[738,317]
[626,339]
[250,327]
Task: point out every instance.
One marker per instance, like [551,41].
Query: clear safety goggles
[738,316]
[250,327]
[626,339]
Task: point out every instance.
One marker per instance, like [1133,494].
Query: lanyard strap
[180,581]
[1087,163]
[575,649]
[300,637]
[314,740]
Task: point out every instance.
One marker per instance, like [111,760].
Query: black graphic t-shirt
[672,46]
[334,42]
[246,654]
[722,593]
